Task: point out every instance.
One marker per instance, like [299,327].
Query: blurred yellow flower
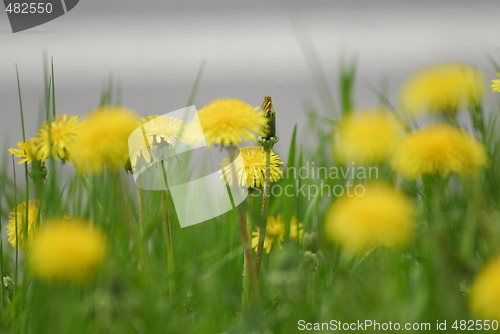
[63,130]
[26,151]
[439,149]
[22,220]
[66,250]
[102,140]
[495,84]
[382,216]
[226,122]
[442,88]
[367,136]
[251,167]
[485,292]
[275,232]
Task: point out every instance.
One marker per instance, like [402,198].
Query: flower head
[439,149]
[382,216]
[160,132]
[250,167]
[19,215]
[27,151]
[58,138]
[442,88]
[226,122]
[275,232]
[495,84]
[368,136]
[66,250]
[162,129]
[485,292]
[102,140]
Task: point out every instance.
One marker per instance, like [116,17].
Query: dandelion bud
[267,107]
[8,283]
[311,260]
[310,242]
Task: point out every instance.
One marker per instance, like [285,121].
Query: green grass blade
[288,205]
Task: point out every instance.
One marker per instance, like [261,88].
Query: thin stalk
[142,201]
[168,236]
[53,86]
[140,190]
[52,184]
[25,228]
[249,273]
[141,211]
[15,221]
[137,239]
[477,117]
[265,211]
[470,222]
[251,291]
[310,288]
[20,104]
[196,84]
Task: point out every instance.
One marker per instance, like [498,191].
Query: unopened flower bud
[267,107]
[310,242]
[311,260]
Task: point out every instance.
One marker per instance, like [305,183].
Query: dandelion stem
[477,117]
[267,142]
[251,292]
[141,191]
[249,270]
[141,211]
[470,222]
[141,241]
[168,236]
[265,211]
[310,288]
[15,221]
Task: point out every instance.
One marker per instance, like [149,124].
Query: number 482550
[475,325]
[29,8]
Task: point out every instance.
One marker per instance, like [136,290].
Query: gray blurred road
[154,50]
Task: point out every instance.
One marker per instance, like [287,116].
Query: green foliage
[457,229]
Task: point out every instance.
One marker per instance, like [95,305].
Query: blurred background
[154,49]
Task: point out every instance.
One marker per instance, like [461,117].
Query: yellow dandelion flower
[160,131]
[275,232]
[58,138]
[485,292]
[227,122]
[66,250]
[495,84]
[250,169]
[368,136]
[382,216]
[102,140]
[439,149]
[138,150]
[442,88]
[20,212]
[27,151]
